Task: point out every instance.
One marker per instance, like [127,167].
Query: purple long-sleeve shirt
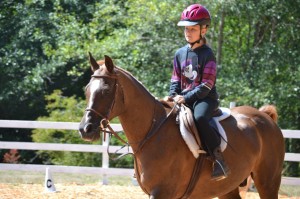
[194,74]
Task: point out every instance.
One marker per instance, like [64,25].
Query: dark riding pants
[203,111]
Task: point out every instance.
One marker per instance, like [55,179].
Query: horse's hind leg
[267,186]
[232,195]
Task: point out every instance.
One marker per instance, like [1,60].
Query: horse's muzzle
[87,127]
[89,132]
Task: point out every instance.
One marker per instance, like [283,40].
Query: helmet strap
[199,40]
[193,43]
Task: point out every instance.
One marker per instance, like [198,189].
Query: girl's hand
[179,99]
[168,98]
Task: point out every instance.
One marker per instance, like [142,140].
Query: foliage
[44,45]
[62,108]
[12,156]
[260,64]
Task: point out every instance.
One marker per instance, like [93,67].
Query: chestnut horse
[163,163]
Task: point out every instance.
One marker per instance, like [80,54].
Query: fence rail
[104,170]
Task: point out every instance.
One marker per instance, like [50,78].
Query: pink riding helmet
[193,15]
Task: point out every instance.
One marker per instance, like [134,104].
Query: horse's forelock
[100,62]
[102,68]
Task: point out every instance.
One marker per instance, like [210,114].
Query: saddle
[189,130]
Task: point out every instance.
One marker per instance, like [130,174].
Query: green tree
[260,62]
[44,47]
[27,70]
[62,108]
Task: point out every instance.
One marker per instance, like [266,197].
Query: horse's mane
[102,62]
[134,78]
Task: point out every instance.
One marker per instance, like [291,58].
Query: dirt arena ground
[30,185]
[77,191]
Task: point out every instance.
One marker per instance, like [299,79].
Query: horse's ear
[109,64]
[94,64]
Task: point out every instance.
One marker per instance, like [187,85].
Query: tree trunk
[220,38]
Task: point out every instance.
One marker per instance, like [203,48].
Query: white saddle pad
[190,139]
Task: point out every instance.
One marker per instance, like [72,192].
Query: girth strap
[194,178]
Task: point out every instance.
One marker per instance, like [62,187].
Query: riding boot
[220,169]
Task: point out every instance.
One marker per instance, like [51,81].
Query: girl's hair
[204,39]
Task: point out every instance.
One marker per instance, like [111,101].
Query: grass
[289,190]
[27,177]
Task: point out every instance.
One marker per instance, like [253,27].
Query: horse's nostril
[87,127]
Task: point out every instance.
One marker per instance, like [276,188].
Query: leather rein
[105,124]
[106,128]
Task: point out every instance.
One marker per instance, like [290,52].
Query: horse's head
[100,94]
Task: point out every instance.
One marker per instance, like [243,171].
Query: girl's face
[192,33]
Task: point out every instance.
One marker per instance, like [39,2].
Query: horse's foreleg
[232,195]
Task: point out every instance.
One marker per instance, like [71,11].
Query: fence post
[232,104]
[105,160]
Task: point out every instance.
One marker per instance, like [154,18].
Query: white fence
[104,170]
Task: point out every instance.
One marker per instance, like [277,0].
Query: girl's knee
[201,119]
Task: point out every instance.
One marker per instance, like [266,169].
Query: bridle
[104,123]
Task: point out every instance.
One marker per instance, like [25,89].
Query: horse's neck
[141,109]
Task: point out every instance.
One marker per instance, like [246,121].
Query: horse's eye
[105,91]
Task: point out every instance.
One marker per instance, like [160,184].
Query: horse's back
[264,121]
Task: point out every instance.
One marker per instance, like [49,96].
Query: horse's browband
[106,76]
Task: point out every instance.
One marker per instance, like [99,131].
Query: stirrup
[220,173]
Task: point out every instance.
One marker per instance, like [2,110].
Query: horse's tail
[271,111]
